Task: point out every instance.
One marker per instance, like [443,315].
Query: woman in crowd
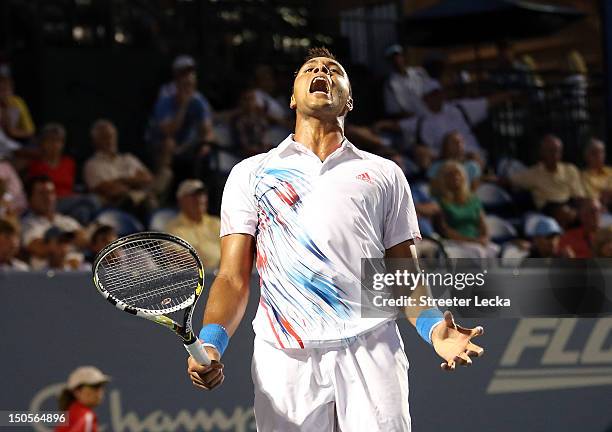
[462,218]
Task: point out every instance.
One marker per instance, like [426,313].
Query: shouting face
[322,89]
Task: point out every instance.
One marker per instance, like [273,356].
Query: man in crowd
[9,247]
[184,126]
[42,216]
[597,176]
[404,87]
[194,224]
[102,236]
[119,179]
[581,239]
[550,180]
[13,201]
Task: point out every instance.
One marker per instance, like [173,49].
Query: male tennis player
[309,210]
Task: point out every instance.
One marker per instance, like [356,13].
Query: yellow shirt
[19,115]
[546,186]
[596,182]
[203,236]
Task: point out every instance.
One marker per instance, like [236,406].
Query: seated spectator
[550,180]
[602,248]
[462,218]
[13,201]
[9,247]
[444,116]
[42,216]
[597,176]
[15,120]
[453,148]
[564,213]
[119,179]
[53,163]
[277,113]
[181,65]
[418,166]
[581,239]
[61,253]
[249,126]
[404,87]
[184,127]
[100,238]
[193,223]
[545,241]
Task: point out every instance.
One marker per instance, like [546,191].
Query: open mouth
[319,85]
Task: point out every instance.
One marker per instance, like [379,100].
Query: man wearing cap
[194,224]
[404,87]
[84,391]
[545,239]
[183,122]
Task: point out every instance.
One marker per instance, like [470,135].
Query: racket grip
[196,350]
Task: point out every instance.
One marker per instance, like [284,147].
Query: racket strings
[150,274]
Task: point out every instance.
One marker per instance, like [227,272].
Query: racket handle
[196,350]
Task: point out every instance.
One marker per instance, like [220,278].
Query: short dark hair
[319,52]
[7,227]
[102,230]
[33,181]
[52,130]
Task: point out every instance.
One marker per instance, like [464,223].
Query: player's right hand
[206,377]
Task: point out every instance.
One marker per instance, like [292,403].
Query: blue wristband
[426,322]
[215,335]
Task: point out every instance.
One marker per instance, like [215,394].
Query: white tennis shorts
[359,387]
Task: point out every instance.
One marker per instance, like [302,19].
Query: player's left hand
[454,343]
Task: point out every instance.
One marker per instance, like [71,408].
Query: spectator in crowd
[60,168]
[602,248]
[276,113]
[13,201]
[418,166]
[597,176]
[119,179]
[102,236]
[545,240]
[83,392]
[181,65]
[9,247]
[249,126]
[404,87]
[184,123]
[41,217]
[61,253]
[582,238]
[462,218]
[510,72]
[443,117]
[550,180]
[194,224]
[575,96]
[564,213]
[15,120]
[453,148]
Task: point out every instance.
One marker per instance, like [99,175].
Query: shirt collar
[289,146]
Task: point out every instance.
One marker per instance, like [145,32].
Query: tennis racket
[152,275]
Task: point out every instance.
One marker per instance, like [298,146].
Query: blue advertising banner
[537,374]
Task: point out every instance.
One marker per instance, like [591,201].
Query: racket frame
[184,330]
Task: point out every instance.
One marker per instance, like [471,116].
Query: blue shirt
[198,111]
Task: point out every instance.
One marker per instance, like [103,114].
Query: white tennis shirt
[313,221]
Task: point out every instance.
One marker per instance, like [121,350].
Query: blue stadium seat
[159,218]
[493,197]
[499,229]
[124,223]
